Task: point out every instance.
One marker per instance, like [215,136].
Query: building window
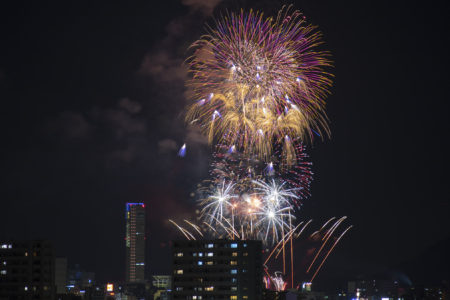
[233,262]
[179,272]
[234,288]
[209,288]
[234,245]
[200,254]
[200,263]
[3,272]
[234,254]
[210,246]
[179,288]
[234,271]
[234,297]
[245,254]
[180,254]
[209,263]
[210,254]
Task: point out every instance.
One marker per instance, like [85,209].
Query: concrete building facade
[217,269]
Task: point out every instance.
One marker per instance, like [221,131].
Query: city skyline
[92,102]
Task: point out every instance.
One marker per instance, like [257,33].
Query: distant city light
[109,287]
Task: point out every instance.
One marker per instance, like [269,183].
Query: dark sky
[91,118]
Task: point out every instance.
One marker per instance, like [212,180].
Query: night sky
[91,118]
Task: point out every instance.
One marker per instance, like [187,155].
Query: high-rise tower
[135,242]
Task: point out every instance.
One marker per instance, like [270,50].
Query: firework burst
[219,203]
[243,170]
[259,81]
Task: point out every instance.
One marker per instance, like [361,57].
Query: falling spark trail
[185,232]
[333,228]
[335,243]
[280,242]
[182,151]
[231,231]
[195,227]
[303,229]
[297,235]
[212,228]
[288,235]
[326,223]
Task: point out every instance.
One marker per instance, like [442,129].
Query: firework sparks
[244,169]
[263,212]
[261,81]
[182,151]
[329,251]
[218,204]
[257,90]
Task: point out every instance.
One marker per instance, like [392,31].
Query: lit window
[194,297]
[210,246]
[4,263]
[234,271]
[180,254]
[209,288]
[4,246]
[3,272]
[209,263]
[234,254]
[210,254]
[200,263]
[234,280]
[234,245]
[25,288]
[234,288]
[194,254]
[245,245]
[179,288]
[234,297]
[233,262]
[179,272]
[245,254]
[245,297]
[200,254]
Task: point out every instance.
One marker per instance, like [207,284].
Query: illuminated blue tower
[135,242]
